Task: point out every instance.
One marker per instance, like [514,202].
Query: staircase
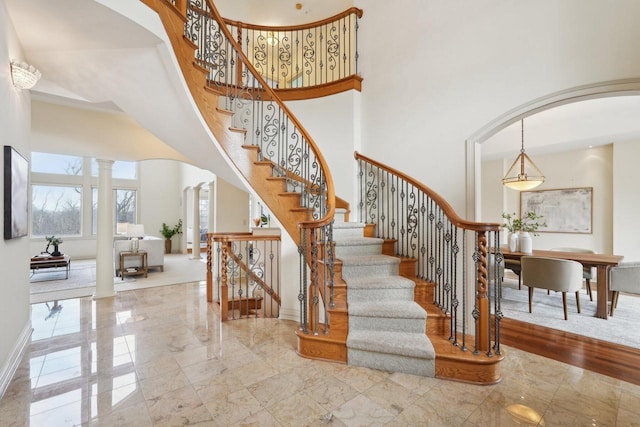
[360,303]
[387,328]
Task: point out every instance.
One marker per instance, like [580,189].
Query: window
[65,197]
[56,210]
[125,202]
[56,164]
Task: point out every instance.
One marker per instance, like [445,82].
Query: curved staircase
[375,304]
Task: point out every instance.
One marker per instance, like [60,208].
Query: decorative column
[212,199]
[195,237]
[104,244]
[185,198]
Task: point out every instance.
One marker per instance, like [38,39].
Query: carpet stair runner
[387,329]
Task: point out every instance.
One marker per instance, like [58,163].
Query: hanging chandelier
[523,173]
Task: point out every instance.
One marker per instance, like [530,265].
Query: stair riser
[342,251]
[352,271]
[361,295]
[386,324]
[392,362]
[339,324]
[347,233]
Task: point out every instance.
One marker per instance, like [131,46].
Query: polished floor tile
[160,357]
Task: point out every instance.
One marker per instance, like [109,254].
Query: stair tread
[358,241]
[382,282]
[387,309]
[349,260]
[342,224]
[402,343]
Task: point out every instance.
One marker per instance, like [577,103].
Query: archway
[627,87]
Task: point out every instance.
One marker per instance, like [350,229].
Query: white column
[212,200]
[195,239]
[185,213]
[104,244]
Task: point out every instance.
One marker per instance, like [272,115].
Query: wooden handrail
[350,11]
[231,237]
[320,158]
[446,207]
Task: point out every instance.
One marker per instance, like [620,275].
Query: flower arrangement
[55,241]
[529,222]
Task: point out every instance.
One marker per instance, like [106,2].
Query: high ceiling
[78,29]
[572,126]
[116,57]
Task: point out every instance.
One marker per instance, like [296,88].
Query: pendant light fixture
[523,173]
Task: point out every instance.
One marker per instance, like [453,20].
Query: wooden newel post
[482,298]
[224,290]
[313,276]
[239,63]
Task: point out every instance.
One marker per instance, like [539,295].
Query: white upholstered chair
[623,278]
[587,272]
[553,274]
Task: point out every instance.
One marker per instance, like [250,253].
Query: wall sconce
[24,76]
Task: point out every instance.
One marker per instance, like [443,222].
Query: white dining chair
[553,274]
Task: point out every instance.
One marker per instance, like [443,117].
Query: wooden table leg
[603,291]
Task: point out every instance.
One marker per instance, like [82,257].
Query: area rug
[52,285]
[623,328]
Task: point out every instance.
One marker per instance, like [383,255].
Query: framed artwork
[16,194]
[565,210]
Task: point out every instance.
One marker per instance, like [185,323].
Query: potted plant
[520,230]
[55,241]
[168,232]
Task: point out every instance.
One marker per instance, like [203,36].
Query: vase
[526,243]
[56,251]
[513,242]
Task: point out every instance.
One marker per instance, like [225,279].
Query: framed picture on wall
[565,210]
[16,194]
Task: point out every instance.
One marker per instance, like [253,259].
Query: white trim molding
[10,368]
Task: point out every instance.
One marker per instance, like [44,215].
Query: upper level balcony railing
[308,60]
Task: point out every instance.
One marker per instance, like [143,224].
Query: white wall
[448,68]
[15,119]
[101,134]
[331,122]
[232,208]
[626,200]
[579,168]
[160,196]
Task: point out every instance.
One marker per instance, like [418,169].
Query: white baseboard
[10,367]
[289,314]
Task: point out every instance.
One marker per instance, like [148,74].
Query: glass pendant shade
[523,173]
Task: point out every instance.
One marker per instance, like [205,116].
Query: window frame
[86,182]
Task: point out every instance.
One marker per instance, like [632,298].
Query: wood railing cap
[440,201]
[350,11]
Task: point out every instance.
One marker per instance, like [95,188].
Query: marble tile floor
[160,357]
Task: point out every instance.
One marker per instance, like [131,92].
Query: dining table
[601,262]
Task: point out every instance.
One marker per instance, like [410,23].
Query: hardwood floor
[606,358]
